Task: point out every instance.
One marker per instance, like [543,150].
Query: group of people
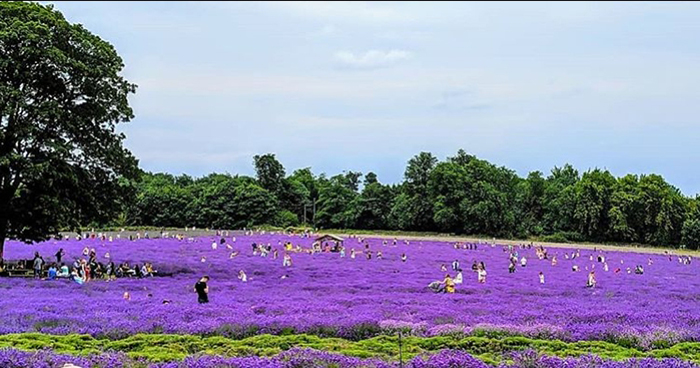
[84,270]
[449,284]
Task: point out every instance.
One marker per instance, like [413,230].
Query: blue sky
[365,86]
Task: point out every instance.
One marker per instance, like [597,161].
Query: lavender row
[304,358]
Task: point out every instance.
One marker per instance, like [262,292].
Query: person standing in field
[481,275]
[287,261]
[202,290]
[59,255]
[541,277]
[38,265]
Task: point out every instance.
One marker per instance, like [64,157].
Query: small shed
[330,238]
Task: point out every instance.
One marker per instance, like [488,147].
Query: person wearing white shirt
[459,278]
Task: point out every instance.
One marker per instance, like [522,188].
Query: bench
[17,273]
[14,269]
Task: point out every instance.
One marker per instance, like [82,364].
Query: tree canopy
[461,195]
[62,161]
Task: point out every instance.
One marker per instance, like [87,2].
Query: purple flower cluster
[305,358]
[355,298]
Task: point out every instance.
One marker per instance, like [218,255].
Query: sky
[364,86]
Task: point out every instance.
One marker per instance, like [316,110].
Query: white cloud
[372,58]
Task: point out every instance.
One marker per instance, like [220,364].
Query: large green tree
[62,161]
[270,173]
[416,211]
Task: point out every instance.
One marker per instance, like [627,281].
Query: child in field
[481,275]
[52,272]
[352,253]
[523,262]
[242,276]
[287,261]
[403,257]
[591,280]
[541,277]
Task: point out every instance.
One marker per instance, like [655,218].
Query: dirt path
[450,238]
[446,238]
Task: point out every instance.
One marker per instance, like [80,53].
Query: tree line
[461,195]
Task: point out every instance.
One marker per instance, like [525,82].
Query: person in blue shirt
[52,272]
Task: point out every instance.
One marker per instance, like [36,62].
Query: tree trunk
[3,235]
[3,232]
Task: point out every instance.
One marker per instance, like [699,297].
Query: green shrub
[492,346]
[555,238]
[286,218]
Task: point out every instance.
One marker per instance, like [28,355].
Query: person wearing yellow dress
[449,284]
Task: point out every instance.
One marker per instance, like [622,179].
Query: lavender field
[302,358]
[327,295]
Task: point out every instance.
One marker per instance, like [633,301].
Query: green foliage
[691,233]
[562,237]
[62,161]
[462,195]
[159,348]
[269,172]
[286,219]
